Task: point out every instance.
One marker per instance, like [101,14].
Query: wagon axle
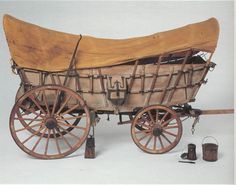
[51,123]
[157,131]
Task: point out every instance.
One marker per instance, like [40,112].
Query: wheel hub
[51,123]
[156,131]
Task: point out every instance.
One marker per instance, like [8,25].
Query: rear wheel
[50,122]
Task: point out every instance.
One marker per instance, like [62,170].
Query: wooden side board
[173,84]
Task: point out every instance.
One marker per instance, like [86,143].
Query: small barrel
[210,150]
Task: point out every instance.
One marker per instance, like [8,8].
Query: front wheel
[156,129]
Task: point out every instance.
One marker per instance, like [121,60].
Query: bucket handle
[209,137]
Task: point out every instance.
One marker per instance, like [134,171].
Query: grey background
[118,159]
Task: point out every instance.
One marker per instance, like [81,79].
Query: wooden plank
[190,76]
[72,61]
[40,78]
[185,89]
[52,79]
[155,75]
[101,80]
[196,88]
[180,72]
[133,76]
[24,77]
[91,80]
[102,87]
[166,87]
[77,81]
[142,79]
[217,111]
[58,79]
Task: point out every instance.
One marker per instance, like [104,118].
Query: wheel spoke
[162,146]
[63,105]
[148,141]
[68,125]
[143,124]
[69,110]
[142,131]
[30,110]
[22,114]
[170,133]
[163,135]
[37,104]
[55,102]
[164,117]
[65,140]
[46,102]
[34,134]
[28,126]
[143,137]
[157,115]
[47,142]
[151,117]
[170,127]
[56,140]
[171,124]
[164,124]
[41,136]
[155,143]
[69,132]
[28,119]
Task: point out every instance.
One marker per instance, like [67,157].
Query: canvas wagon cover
[38,48]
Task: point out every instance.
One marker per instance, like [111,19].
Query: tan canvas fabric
[35,47]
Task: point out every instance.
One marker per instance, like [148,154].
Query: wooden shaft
[72,62]
[217,111]
[133,75]
[153,80]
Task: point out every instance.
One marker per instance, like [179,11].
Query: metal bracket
[196,114]
[196,120]
[188,111]
[205,81]
[121,121]
[116,89]
[13,67]
[212,66]
[94,118]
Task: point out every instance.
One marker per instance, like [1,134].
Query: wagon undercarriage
[51,130]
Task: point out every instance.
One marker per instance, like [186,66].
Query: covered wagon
[68,80]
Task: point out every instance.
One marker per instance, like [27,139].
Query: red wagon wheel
[40,131]
[156,129]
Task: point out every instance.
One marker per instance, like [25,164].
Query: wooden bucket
[210,150]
